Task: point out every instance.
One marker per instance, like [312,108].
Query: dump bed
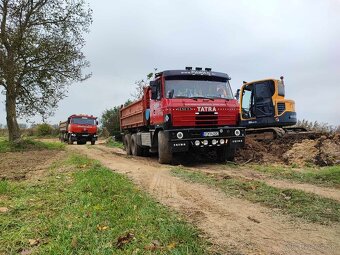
[63,126]
[133,115]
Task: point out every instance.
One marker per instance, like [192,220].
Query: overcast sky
[249,40]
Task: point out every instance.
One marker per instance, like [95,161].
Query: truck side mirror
[97,122]
[153,86]
[237,94]
[68,120]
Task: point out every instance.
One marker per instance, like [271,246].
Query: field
[83,199]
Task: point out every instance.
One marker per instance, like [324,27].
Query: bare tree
[141,84]
[40,54]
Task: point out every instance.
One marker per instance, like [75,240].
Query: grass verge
[323,176]
[89,210]
[29,144]
[297,203]
[115,144]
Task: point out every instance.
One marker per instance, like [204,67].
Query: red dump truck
[80,128]
[184,110]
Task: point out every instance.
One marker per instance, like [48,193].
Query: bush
[44,129]
[318,126]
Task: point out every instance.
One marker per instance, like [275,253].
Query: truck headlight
[214,142]
[197,143]
[205,142]
[222,141]
[179,135]
[237,132]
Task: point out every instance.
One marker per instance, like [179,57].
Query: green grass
[116,144]
[297,203]
[325,176]
[29,144]
[85,211]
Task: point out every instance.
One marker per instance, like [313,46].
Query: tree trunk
[12,124]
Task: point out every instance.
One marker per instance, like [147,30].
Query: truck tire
[127,142]
[164,153]
[136,150]
[93,142]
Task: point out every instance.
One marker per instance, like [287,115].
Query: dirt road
[228,223]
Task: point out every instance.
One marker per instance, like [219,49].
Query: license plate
[210,133]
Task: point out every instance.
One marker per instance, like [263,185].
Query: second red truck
[184,110]
[79,128]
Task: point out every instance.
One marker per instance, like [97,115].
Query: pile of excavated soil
[323,151]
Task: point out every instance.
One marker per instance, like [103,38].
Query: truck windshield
[198,89]
[83,121]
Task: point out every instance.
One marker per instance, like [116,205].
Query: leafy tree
[40,54]
[110,120]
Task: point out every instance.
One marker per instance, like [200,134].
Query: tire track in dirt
[228,223]
[332,193]
[248,174]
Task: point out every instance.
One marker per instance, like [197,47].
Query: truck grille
[281,107]
[206,119]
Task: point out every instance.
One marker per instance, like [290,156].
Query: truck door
[156,114]
[263,92]
[247,103]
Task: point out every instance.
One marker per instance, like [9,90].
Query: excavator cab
[263,104]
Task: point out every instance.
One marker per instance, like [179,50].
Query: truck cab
[263,104]
[184,110]
[79,128]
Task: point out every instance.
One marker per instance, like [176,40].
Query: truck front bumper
[84,136]
[181,140]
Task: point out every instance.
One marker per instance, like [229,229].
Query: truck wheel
[127,142]
[69,140]
[93,142]
[136,150]
[164,153]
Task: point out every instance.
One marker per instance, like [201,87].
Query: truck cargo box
[133,115]
[63,126]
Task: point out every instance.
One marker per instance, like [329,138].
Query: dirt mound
[301,153]
[323,151]
[253,151]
